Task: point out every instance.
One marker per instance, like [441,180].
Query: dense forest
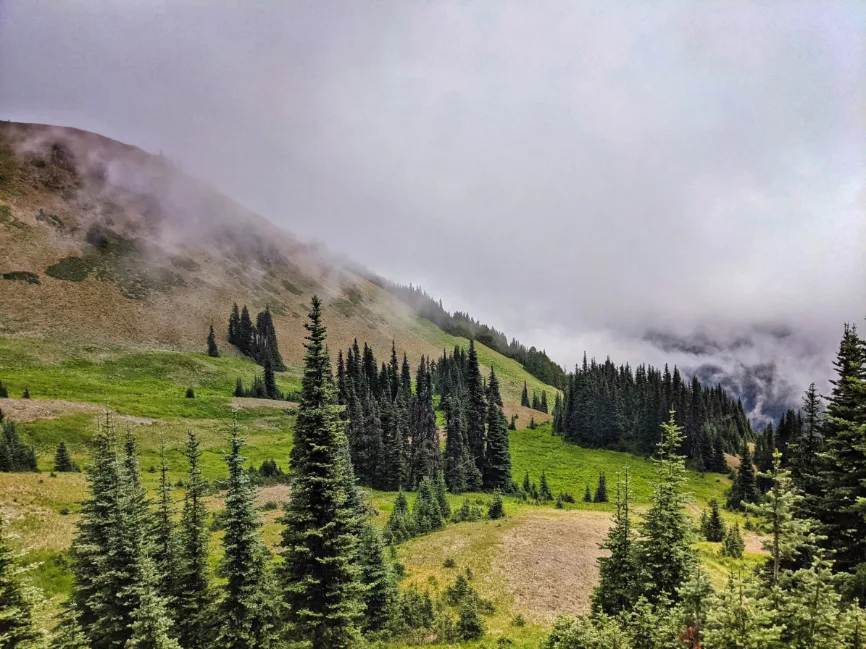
[535,362]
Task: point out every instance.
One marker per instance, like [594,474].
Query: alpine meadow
[386,325]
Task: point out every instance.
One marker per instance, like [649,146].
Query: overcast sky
[575,173]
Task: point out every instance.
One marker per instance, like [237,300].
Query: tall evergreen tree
[744,489]
[426,456]
[270,381]
[379,585]
[476,408]
[714,527]
[4,393]
[601,489]
[151,626]
[320,578]
[497,457]
[617,572]
[543,403]
[664,554]
[17,628]
[63,461]
[246,613]
[165,551]
[234,326]
[456,453]
[524,397]
[192,595]
[805,450]
[264,345]
[212,349]
[245,332]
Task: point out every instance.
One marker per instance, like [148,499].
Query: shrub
[470,625]
[518,620]
[22,276]
[496,509]
[72,269]
[449,563]
[190,393]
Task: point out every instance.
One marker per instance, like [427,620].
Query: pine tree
[26,394]
[151,626]
[401,525]
[543,405]
[744,489]
[17,627]
[742,617]
[440,490]
[319,574]
[456,452]
[497,457]
[805,451]
[587,495]
[192,596]
[245,332]
[664,554]
[536,404]
[476,408]
[617,572]
[63,461]
[714,529]
[426,512]
[496,510]
[264,345]
[239,388]
[270,380]
[234,326]
[246,611]
[165,552]
[733,545]
[377,578]
[4,393]
[601,490]
[524,397]
[212,349]
[544,493]
[426,455]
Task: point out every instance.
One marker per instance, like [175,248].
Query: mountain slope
[102,243]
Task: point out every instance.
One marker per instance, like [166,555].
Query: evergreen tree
[805,450]
[513,423]
[536,404]
[714,527]
[63,461]
[401,525]
[496,510]
[664,554]
[476,408]
[264,345]
[440,490]
[151,626]
[4,393]
[246,611]
[601,490]
[377,578]
[426,456]
[742,617]
[270,381]
[497,457]
[617,572]
[733,545]
[245,332]
[17,628]
[456,452]
[192,595]
[587,495]
[165,550]
[26,394]
[744,489]
[234,326]
[543,405]
[212,349]
[320,577]
[524,397]
[426,512]
[544,493]
[239,388]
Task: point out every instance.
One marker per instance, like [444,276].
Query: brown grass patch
[22,410]
[247,402]
[549,561]
[278,493]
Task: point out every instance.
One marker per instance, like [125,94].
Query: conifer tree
[379,585]
[496,510]
[245,332]
[544,493]
[63,461]
[617,572]
[497,457]
[26,394]
[17,628]
[271,389]
[264,345]
[192,595]
[476,408]
[587,495]
[733,545]
[246,612]
[714,528]
[524,397]
[664,554]
[234,326]
[406,377]
[601,490]
[805,450]
[165,550]
[513,423]
[212,349]
[4,393]
[239,388]
[426,512]
[401,525]
[536,404]
[527,484]
[151,626]
[742,617]
[456,453]
[744,489]
[319,576]
[440,490]
[426,455]
[543,404]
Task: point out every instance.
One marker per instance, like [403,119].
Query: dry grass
[247,402]
[31,503]
[23,410]
[549,561]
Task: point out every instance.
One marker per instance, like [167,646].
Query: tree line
[605,406]
[258,341]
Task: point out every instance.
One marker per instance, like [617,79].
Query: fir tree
[190,393]
[212,349]
[513,423]
[440,490]
[17,627]
[246,611]
[497,457]
[26,394]
[379,585]
[601,490]
[476,408]
[426,512]
[425,436]
[401,525]
[4,393]
[587,495]
[805,450]
[544,493]
[63,461]
[524,397]
[714,528]
[664,554]
[742,617]
[744,489]
[239,388]
[234,326]
[536,404]
[319,575]
[456,453]
[151,626]
[165,550]
[264,345]
[617,572]
[733,545]
[245,332]
[192,595]
[543,404]
[496,510]
[270,381]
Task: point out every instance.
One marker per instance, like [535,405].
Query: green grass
[571,468]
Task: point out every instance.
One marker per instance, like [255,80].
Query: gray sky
[575,173]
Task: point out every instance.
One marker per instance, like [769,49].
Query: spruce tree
[496,510]
[151,626]
[245,332]
[543,405]
[246,613]
[17,628]
[497,457]
[426,512]
[212,349]
[744,489]
[601,490]
[4,393]
[536,404]
[270,381]
[440,490]
[63,461]
[319,575]
[732,544]
[805,451]
[426,456]
[476,408]
[192,595]
[26,394]
[664,554]
[165,550]
[714,528]
[617,572]
[456,452]
[587,495]
[377,579]
[239,388]
[524,397]
[234,326]
[401,525]
[544,493]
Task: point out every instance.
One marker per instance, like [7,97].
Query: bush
[518,620]
[449,563]
[190,393]
[470,625]
[22,276]
[270,506]
[496,509]
[71,269]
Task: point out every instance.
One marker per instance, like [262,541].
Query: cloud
[608,176]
